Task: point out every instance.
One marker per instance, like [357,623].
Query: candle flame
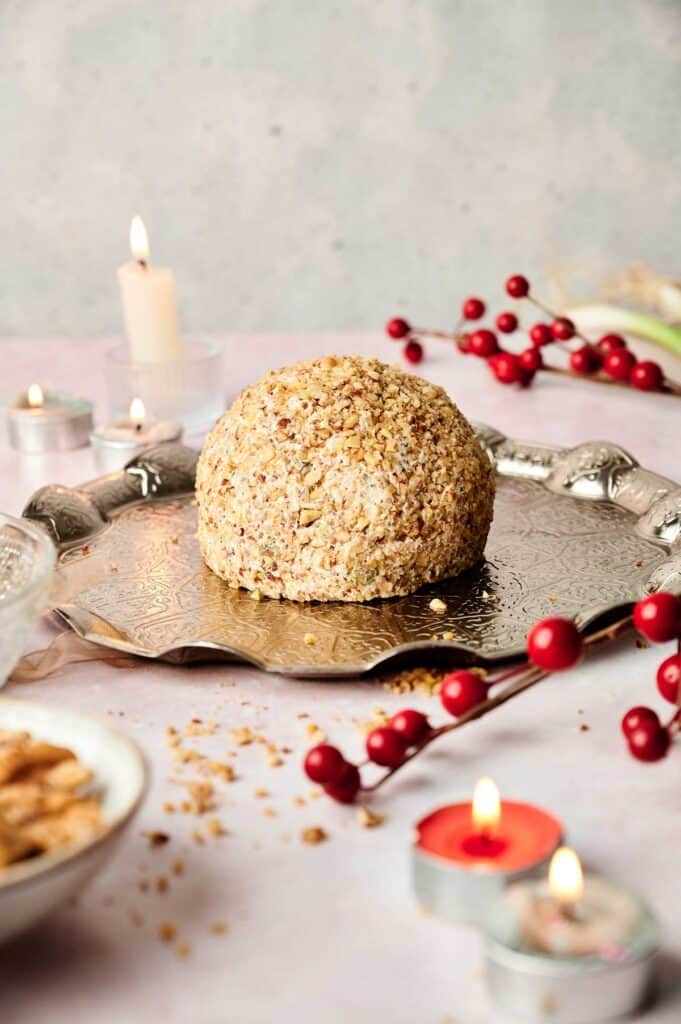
[35,396]
[137,412]
[139,240]
[486,807]
[566,880]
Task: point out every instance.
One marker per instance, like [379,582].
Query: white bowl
[32,889]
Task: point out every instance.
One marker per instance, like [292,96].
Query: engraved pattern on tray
[131,575]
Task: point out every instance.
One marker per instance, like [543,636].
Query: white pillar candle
[149,307]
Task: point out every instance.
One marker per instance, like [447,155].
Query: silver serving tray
[577,532]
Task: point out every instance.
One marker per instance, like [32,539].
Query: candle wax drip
[484,845]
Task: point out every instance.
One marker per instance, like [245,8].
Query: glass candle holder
[189,389]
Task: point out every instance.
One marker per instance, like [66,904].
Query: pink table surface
[330,932]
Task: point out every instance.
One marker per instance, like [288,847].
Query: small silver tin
[541,989]
[65,425]
[460,894]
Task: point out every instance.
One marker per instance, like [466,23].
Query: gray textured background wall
[310,164]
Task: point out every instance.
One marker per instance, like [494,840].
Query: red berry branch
[553,645]
[609,361]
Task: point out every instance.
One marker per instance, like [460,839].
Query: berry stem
[527,676]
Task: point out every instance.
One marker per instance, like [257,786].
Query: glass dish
[27,557]
[189,389]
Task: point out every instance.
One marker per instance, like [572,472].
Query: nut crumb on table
[167,931]
[313,836]
[369,819]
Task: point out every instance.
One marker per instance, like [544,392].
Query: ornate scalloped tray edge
[577,532]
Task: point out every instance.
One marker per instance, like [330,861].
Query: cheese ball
[342,479]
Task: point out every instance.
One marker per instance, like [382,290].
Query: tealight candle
[47,421]
[466,853]
[148,299]
[116,443]
[569,950]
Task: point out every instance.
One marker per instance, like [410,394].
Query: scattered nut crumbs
[136,919]
[298,801]
[641,644]
[242,737]
[378,718]
[310,639]
[269,812]
[313,836]
[314,733]
[183,950]
[197,836]
[162,884]
[274,760]
[260,793]
[201,795]
[221,770]
[448,635]
[552,598]
[169,807]
[414,680]
[369,819]
[584,727]
[178,867]
[167,931]
[218,928]
[156,838]
[438,606]
[216,828]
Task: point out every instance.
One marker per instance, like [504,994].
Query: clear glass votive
[189,389]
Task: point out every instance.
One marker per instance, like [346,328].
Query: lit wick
[485,817]
[137,414]
[486,808]
[139,241]
[566,880]
[35,396]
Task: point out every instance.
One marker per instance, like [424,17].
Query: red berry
[669,678]
[619,363]
[637,717]
[507,322]
[346,788]
[413,352]
[411,725]
[562,329]
[646,376]
[610,343]
[461,691]
[540,335]
[483,343]
[324,764]
[463,343]
[397,328]
[649,742]
[531,360]
[517,286]
[473,309]
[585,359]
[505,367]
[554,644]
[385,746]
[658,617]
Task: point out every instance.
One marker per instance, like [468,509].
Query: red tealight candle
[466,853]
